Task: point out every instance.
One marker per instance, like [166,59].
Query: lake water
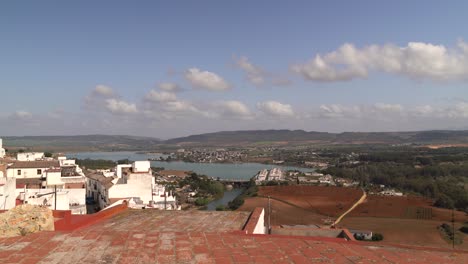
[221,170]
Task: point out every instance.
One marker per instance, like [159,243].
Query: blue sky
[96,67]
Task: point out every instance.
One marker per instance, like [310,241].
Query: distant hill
[301,136]
[83,142]
[230,138]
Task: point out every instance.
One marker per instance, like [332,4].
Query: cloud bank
[416,60]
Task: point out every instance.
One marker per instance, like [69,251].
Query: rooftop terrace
[150,236]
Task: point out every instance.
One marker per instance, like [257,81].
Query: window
[39,171]
[19,172]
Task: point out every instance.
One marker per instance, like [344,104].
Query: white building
[30,156]
[261,176]
[7,190]
[30,169]
[2,150]
[275,174]
[39,182]
[131,181]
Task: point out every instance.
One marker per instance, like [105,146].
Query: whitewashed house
[57,184]
[133,182]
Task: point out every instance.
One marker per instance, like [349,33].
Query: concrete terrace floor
[147,236]
[174,221]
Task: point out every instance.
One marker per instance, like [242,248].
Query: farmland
[404,220]
[327,201]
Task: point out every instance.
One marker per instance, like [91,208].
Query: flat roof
[153,236]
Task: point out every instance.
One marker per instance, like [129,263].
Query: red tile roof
[34,164]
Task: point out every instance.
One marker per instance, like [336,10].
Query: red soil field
[328,201]
[403,231]
[403,207]
[282,213]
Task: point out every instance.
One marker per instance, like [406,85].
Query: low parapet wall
[69,222]
[256,222]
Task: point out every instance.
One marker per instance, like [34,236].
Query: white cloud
[103,90]
[255,74]
[388,108]
[417,60]
[233,108]
[22,115]
[274,108]
[120,107]
[170,87]
[338,111]
[375,111]
[160,96]
[258,76]
[206,80]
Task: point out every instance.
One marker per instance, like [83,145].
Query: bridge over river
[235,182]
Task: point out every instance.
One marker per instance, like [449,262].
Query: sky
[174,68]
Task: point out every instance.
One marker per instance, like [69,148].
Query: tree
[48,154]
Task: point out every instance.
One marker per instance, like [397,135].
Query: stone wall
[25,219]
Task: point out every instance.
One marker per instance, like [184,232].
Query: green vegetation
[207,188]
[95,164]
[250,191]
[201,201]
[447,233]
[220,208]
[438,174]
[48,154]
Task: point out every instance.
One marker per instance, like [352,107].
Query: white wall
[138,185]
[141,166]
[260,227]
[65,197]
[29,156]
[7,193]
[25,173]
[119,169]
[2,150]
[54,178]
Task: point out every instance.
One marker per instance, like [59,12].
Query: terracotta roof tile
[34,164]
[183,237]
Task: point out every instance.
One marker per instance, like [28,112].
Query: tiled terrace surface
[174,221]
[141,242]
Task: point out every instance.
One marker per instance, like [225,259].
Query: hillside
[82,142]
[301,136]
[230,138]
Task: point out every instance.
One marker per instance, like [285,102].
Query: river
[227,197]
[221,170]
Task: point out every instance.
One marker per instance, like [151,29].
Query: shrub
[220,208]
[377,237]
[236,203]
[201,201]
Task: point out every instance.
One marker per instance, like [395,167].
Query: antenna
[269,215]
[453,228]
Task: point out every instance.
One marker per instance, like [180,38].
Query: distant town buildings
[275,174]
